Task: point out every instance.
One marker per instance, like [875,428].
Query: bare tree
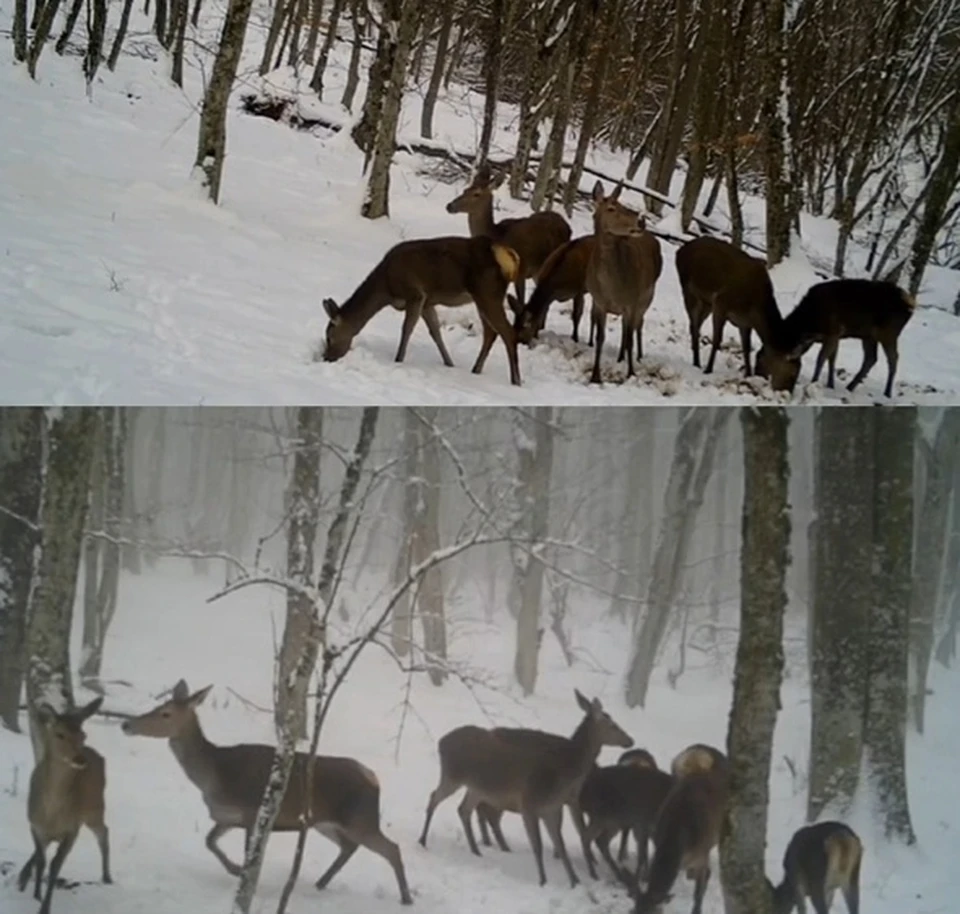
[759,667]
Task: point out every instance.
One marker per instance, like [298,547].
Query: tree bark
[68,452]
[436,74]
[402,620]
[121,34]
[48,12]
[20,30]
[353,69]
[20,485]
[316,82]
[211,145]
[69,24]
[491,74]
[764,557]
[181,12]
[97,27]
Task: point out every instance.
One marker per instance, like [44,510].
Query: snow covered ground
[119,284]
[164,630]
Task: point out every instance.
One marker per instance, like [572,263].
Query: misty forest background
[848,110]
[707,534]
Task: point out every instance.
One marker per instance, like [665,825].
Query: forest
[837,109]
[796,552]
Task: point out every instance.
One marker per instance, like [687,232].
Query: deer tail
[508,260]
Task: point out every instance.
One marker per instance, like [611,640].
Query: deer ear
[88,710]
[642,223]
[332,309]
[197,697]
[180,691]
[597,192]
[45,714]
[615,195]
[582,701]
[482,175]
[497,180]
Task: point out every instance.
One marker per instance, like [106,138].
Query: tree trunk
[694,448]
[67,455]
[535,459]
[885,720]
[364,132]
[69,24]
[181,11]
[93,545]
[491,75]
[436,74]
[376,201]
[48,12]
[20,30]
[282,11]
[211,145]
[20,485]
[764,557]
[121,34]
[303,515]
[316,82]
[353,70]
[842,599]
[402,621]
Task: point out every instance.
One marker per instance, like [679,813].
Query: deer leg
[697,316]
[626,340]
[432,321]
[851,893]
[483,816]
[531,822]
[818,898]
[552,820]
[36,865]
[593,327]
[642,838]
[701,879]
[821,358]
[62,850]
[411,314]
[102,834]
[599,319]
[495,323]
[601,837]
[494,817]
[745,346]
[869,360]
[213,836]
[890,351]
[489,338]
[622,853]
[718,322]
[577,314]
[520,284]
[447,787]
[380,844]
[348,847]
[829,351]
[576,813]
[465,810]
[639,330]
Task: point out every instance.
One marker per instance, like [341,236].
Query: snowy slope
[118,284]
[164,630]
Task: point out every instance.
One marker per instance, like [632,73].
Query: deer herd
[619,265]
[529,772]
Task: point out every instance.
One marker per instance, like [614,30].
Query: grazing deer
[530,780]
[539,740]
[627,799]
[66,791]
[719,279]
[688,826]
[871,311]
[562,277]
[819,860]
[639,758]
[415,277]
[345,801]
[624,267]
[533,237]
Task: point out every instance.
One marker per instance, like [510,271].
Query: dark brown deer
[66,791]
[639,758]
[345,801]
[624,267]
[688,826]
[533,237]
[528,780]
[562,277]
[415,277]
[719,279]
[627,799]
[871,311]
[819,860]
[542,741]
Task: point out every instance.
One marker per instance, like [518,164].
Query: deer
[721,280]
[416,276]
[623,270]
[533,237]
[67,790]
[872,311]
[687,827]
[525,779]
[562,277]
[819,860]
[344,802]
[639,758]
[624,798]
[488,815]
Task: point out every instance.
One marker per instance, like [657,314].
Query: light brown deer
[345,802]
[523,779]
[541,741]
[624,267]
[688,826]
[721,280]
[415,277]
[819,860]
[66,791]
[533,237]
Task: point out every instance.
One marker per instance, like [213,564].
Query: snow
[157,819]
[120,284]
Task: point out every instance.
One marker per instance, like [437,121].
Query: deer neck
[194,752]
[480,220]
[369,298]
[586,747]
